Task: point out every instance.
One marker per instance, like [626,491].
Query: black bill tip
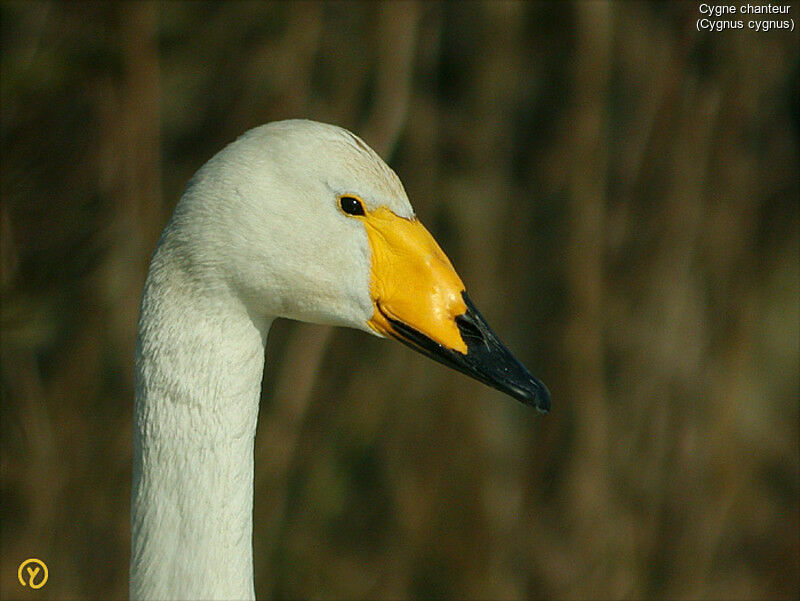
[486,360]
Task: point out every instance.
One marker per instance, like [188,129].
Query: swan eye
[351,205]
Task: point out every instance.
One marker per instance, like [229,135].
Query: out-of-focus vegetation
[618,191]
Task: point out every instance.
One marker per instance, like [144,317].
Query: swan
[294,219]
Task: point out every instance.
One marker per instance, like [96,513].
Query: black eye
[351,206]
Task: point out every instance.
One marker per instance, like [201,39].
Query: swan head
[303,220]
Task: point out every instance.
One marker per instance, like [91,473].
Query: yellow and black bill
[419,299]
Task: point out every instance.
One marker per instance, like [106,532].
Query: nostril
[469,329]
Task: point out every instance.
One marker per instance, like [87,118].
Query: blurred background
[618,191]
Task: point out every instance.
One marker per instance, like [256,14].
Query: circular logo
[33,573]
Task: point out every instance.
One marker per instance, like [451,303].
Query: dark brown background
[618,191]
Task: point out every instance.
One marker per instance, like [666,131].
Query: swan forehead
[379,184]
[335,158]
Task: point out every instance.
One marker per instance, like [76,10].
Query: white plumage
[260,233]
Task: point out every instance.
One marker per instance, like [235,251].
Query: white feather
[257,235]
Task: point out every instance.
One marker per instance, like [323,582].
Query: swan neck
[199,363]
